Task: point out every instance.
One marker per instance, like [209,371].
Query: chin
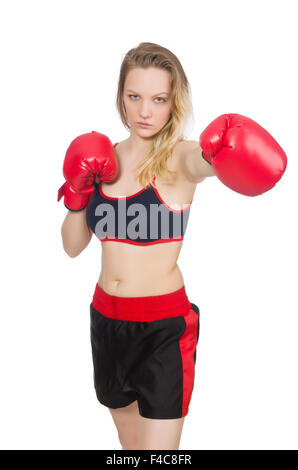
[144,132]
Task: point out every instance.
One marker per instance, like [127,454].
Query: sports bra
[143,218]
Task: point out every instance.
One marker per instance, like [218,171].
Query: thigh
[163,434]
[126,418]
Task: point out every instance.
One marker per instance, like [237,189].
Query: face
[147,99]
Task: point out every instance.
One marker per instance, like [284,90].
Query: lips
[144,124]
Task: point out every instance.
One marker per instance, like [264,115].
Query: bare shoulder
[187,145]
[182,148]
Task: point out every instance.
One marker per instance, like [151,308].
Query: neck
[137,146]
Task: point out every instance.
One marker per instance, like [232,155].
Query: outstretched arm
[193,166]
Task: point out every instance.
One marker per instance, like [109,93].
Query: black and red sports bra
[143,218]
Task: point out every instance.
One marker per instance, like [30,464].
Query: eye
[158,98]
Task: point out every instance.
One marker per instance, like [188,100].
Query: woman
[144,330]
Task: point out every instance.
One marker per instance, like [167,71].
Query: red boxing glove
[244,156]
[88,156]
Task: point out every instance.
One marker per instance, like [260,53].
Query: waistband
[149,308]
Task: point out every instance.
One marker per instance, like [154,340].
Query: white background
[60,63]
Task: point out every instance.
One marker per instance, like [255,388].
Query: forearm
[75,232]
[195,167]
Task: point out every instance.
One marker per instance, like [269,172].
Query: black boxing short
[144,349]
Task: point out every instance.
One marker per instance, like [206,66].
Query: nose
[145,111]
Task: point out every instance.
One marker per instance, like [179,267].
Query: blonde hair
[146,55]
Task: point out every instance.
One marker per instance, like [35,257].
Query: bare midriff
[130,270]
